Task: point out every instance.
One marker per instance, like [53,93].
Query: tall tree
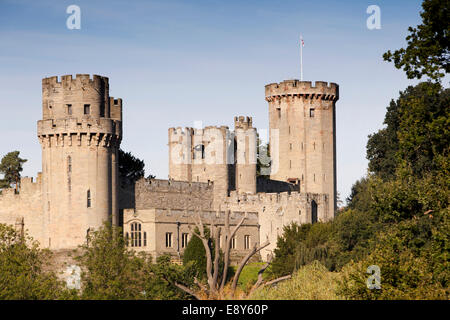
[11,167]
[428,49]
[131,168]
[416,133]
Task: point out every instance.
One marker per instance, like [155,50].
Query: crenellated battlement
[28,187]
[242,122]
[189,131]
[271,198]
[216,216]
[306,89]
[80,80]
[159,185]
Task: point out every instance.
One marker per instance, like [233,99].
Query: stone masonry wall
[25,206]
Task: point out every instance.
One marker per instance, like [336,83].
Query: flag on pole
[302,44]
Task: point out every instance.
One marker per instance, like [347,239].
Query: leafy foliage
[417,132]
[22,276]
[413,257]
[111,271]
[428,49]
[311,282]
[195,254]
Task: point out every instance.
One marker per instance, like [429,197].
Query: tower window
[200,148]
[311,113]
[279,112]
[87,109]
[246,242]
[69,164]
[184,240]
[290,146]
[69,173]
[145,239]
[168,239]
[136,235]
[89,198]
[69,109]
[233,243]
[102,110]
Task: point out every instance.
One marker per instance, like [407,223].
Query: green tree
[263,162]
[413,260]
[11,167]
[113,272]
[110,270]
[131,168]
[428,45]
[359,197]
[22,274]
[195,253]
[416,135]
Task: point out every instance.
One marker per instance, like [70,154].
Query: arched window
[136,235]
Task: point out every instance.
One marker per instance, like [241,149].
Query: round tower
[245,137]
[303,135]
[80,136]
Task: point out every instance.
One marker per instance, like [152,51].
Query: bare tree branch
[229,236]
[187,290]
[244,261]
[201,285]
[272,282]
[260,275]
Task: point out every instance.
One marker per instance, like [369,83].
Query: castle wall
[170,194]
[157,223]
[276,210]
[23,210]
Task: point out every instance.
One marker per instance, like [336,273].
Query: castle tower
[245,156]
[80,136]
[303,135]
[201,155]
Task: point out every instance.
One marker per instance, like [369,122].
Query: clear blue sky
[176,62]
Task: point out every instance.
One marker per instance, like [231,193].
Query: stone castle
[212,170]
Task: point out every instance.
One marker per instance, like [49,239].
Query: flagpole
[301,58]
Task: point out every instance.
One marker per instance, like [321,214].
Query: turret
[80,136]
[303,135]
[245,155]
